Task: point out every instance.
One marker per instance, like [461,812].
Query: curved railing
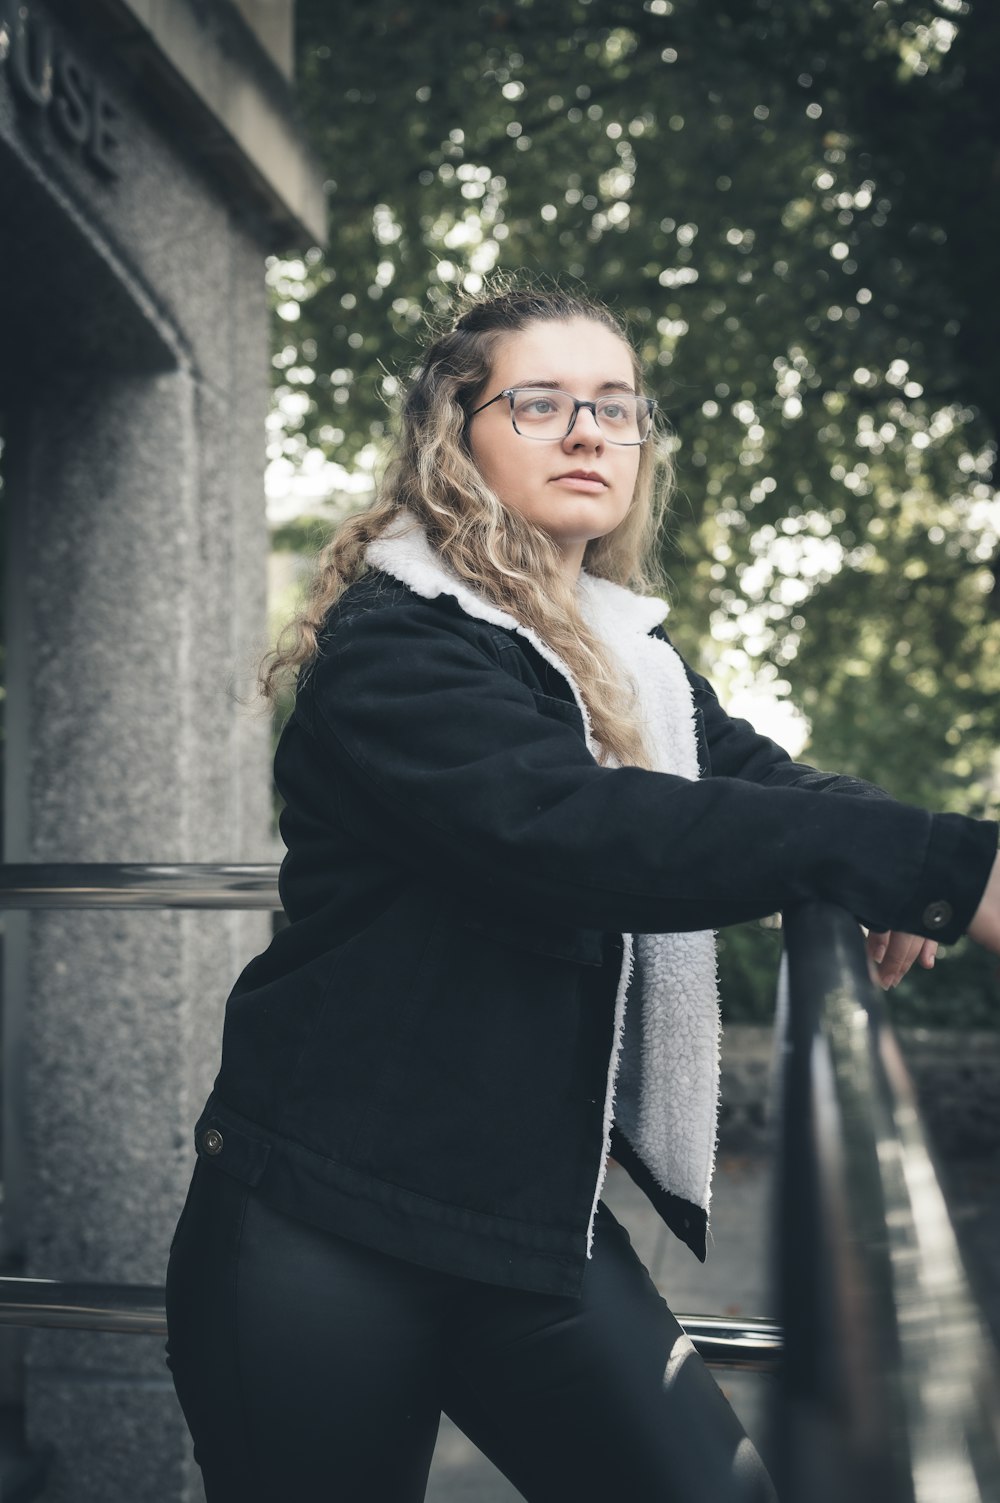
[889,1389]
[888,1386]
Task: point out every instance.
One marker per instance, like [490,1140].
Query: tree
[795,203]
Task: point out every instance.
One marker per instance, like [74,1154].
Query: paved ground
[731,1282]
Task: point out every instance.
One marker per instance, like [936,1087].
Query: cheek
[503,468]
[491,461]
[632,475]
[496,471]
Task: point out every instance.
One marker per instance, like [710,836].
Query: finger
[876,943]
[901,951]
[928,953]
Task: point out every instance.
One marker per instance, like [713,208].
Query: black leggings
[313,1369]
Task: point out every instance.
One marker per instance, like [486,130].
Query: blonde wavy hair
[509,561]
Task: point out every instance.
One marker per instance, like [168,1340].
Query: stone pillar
[138,547]
[150,158]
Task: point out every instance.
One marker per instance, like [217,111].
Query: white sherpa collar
[667,1037]
[404,552]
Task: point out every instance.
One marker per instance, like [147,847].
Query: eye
[537,406]
[617,410]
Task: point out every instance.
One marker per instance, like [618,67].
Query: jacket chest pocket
[564,710]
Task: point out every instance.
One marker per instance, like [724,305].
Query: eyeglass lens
[539,412]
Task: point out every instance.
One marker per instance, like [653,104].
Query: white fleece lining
[675,1130]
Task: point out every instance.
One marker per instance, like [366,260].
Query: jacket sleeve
[454,763]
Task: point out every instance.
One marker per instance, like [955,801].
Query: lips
[588,475]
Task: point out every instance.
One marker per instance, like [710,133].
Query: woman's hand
[892,953]
[985,926]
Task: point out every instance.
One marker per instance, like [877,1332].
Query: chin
[591,528]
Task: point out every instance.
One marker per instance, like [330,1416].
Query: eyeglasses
[542,413]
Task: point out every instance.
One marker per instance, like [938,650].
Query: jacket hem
[402,1223]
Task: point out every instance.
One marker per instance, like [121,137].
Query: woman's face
[578,487]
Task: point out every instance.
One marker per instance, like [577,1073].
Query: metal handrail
[744,1344]
[136,1309]
[890,1388]
[109,884]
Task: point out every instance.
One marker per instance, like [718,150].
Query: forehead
[576,354]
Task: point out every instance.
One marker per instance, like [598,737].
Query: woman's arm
[442,756]
[735,749]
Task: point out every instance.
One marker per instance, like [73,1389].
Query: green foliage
[303,535]
[749,957]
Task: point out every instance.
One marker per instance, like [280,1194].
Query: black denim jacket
[419,1060]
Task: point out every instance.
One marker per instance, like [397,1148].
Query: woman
[497,772]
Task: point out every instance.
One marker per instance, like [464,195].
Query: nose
[585,433]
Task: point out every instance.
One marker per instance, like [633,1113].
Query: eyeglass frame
[510,392]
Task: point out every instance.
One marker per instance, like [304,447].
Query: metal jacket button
[937,915]
[211,1141]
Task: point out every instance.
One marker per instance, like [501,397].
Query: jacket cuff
[960,855]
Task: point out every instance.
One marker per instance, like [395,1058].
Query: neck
[571,562]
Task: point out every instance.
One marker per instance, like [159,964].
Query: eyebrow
[604,386]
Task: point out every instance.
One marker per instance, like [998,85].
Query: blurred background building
[150,157]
